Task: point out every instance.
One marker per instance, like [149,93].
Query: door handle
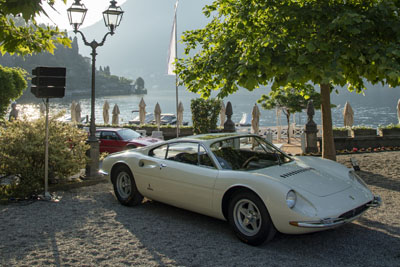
[163,165]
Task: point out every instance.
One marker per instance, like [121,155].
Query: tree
[27,37]
[327,43]
[291,99]
[12,82]
[19,34]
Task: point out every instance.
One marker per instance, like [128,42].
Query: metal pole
[176,75]
[46,154]
[93,167]
[92,136]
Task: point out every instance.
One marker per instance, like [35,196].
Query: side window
[109,136]
[184,152]
[159,152]
[97,135]
[204,158]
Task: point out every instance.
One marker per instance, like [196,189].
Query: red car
[118,139]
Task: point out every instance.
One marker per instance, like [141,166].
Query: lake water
[366,112]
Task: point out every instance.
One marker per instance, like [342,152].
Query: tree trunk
[288,127]
[328,146]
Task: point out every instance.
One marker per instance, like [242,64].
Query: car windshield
[128,134]
[247,153]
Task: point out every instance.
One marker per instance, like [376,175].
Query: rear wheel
[249,219]
[125,187]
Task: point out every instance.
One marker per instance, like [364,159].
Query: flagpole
[176,76]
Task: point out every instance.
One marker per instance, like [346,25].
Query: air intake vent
[296,172]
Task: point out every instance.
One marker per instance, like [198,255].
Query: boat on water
[245,120]
[166,119]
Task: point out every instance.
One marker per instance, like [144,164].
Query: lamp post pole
[93,167]
[112,18]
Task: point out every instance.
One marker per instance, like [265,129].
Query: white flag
[172,46]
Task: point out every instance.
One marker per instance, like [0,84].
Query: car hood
[146,141]
[316,177]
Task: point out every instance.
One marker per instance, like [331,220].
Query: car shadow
[192,239]
[94,229]
[380,181]
[41,243]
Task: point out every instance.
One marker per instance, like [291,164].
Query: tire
[125,187]
[249,218]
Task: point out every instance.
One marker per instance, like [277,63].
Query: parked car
[243,179]
[166,119]
[117,139]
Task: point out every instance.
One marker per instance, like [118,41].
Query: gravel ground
[89,228]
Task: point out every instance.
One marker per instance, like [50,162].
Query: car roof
[111,129]
[210,137]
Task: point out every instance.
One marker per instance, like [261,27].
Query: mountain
[140,45]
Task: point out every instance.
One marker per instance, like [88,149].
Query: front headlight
[354,176]
[291,199]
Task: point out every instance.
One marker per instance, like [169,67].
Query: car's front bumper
[342,219]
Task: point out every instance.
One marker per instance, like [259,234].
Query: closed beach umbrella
[255,121]
[78,111]
[179,118]
[222,115]
[73,112]
[106,116]
[348,115]
[157,115]
[115,115]
[398,111]
[142,111]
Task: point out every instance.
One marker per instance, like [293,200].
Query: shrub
[22,153]
[361,127]
[205,114]
[389,126]
[341,129]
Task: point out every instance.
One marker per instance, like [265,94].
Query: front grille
[354,212]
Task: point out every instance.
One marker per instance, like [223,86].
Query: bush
[22,153]
[389,126]
[205,114]
[341,129]
[361,127]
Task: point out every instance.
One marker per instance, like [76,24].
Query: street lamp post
[112,18]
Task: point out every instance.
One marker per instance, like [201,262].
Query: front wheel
[249,219]
[125,187]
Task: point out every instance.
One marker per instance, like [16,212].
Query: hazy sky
[60,18]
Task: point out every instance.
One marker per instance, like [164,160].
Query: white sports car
[243,179]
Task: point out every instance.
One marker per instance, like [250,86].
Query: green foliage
[205,114]
[328,43]
[253,43]
[361,127]
[19,32]
[389,126]
[22,153]
[12,84]
[341,129]
[291,98]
